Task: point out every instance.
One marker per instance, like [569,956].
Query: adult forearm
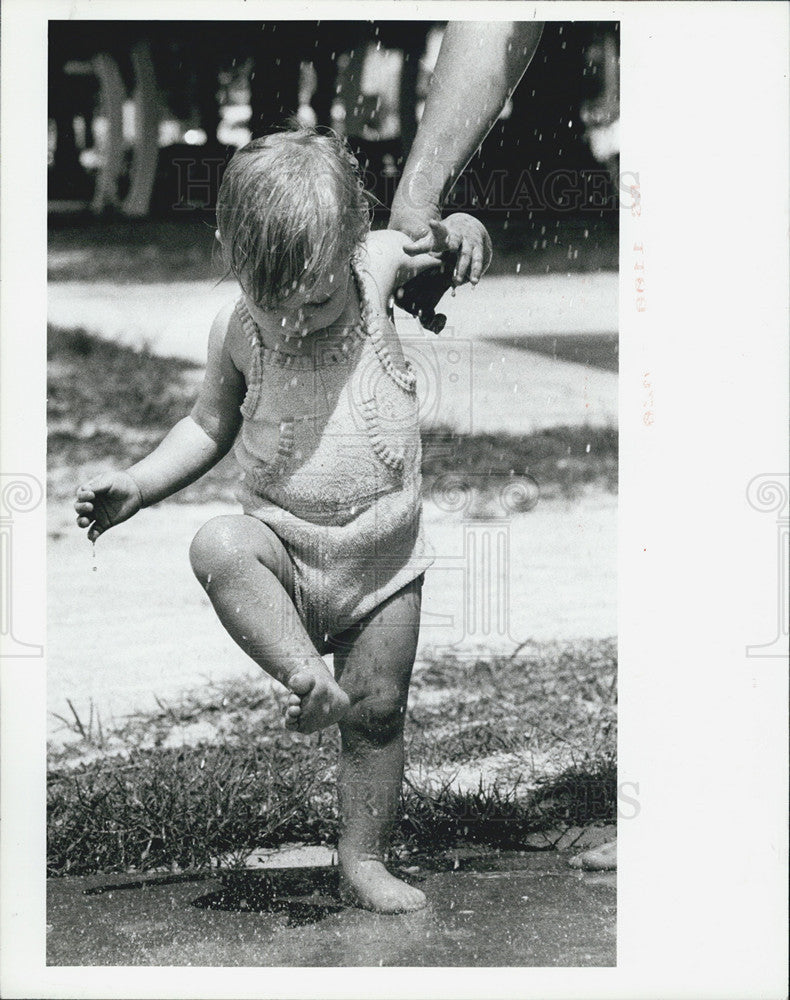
[184,455]
[479,66]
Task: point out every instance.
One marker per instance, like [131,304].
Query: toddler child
[307,381]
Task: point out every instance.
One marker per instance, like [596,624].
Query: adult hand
[459,234]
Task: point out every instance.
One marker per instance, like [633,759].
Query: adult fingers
[453,242]
[423,245]
[476,270]
[84,522]
[443,238]
[462,266]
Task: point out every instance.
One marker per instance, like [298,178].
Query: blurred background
[144,115]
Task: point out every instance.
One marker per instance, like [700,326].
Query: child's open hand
[105,501]
[460,234]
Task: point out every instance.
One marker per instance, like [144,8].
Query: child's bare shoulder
[224,319]
[384,249]
[227,334]
[383,243]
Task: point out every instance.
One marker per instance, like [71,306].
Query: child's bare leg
[248,576]
[374,667]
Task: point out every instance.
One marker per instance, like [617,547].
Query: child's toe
[301,684]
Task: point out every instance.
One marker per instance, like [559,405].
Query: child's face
[307,311]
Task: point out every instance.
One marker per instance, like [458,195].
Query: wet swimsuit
[330,452]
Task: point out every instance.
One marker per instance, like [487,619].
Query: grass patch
[94,383]
[499,816]
[122,251]
[499,747]
[561,461]
[179,809]
[109,405]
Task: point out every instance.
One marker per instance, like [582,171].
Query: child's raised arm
[190,449]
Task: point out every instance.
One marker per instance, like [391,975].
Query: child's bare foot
[316,701]
[367,883]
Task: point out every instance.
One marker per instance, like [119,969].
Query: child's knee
[216,548]
[228,545]
[377,717]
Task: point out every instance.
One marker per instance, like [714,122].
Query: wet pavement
[509,909]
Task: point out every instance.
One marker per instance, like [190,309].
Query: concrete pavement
[488,909]
[475,377]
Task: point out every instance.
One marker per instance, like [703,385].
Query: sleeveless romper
[330,452]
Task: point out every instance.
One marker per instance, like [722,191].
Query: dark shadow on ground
[303,895]
[598,350]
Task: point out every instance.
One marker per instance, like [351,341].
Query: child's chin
[319,322]
[305,329]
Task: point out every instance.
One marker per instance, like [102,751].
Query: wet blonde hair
[289,205]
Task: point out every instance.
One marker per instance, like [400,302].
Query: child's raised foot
[316,701]
[368,884]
